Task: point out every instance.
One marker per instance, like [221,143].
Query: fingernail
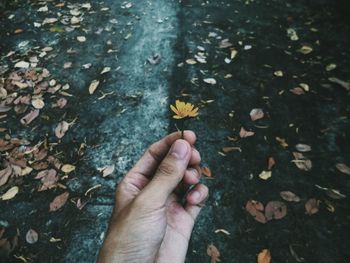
[194,172]
[196,195]
[179,149]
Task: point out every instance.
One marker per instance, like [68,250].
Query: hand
[149,223]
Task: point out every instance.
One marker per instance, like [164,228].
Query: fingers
[192,176]
[153,156]
[195,200]
[169,174]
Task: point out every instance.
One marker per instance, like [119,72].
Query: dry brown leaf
[282,142]
[48,178]
[9,194]
[244,133]
[256,114]
[93,86]
[264,256]
[206,171]
[32,236]
[297,91]
[61,129]
[301,162]
[231,149]
[214,253]
[256,209]
[311,206]
[27,119]
[5,175]
[342,167]
[306,49]
[270,163]
[275,210]
[289,196]
[59,201]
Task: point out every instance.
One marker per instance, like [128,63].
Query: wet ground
[288,58]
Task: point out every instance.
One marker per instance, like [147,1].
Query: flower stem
[182,128]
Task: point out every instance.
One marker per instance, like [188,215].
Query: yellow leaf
[265,175]
[93,86]
[68,168]
[11,193]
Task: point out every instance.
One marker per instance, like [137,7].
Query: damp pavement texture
[288,58]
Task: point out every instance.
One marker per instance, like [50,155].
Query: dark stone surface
[118,128]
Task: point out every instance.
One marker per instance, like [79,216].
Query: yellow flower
[183,110]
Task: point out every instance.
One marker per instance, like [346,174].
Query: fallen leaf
[105,70]
[344,84]
[191,61]
[38,103]
[214,253]
[278,73]
[311,206]
[5,175]
[81,38]
[32,236]
[331,67]
[11,193]
[297,91]
[289,196]
[206,171]
[93,86]
[342,167]
[256,114]
[301,162]
[231,149]
[211,81]
[264,256]
[275,210]
[225,43]
[22,64]
[265,175]
[32,115]
[107,170]
[335,194]
[244,133]
[233,53]
[61,129]
[256,209]
[270,163]
[59,201]
[306,49]
[67,168]
[303,147]
[48,179]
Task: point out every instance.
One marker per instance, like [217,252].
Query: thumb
[169,174]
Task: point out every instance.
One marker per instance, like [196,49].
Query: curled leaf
[342,167]
[311,206]
[214,253]
[32,236]
[27,119]
[256,209]
[93,86]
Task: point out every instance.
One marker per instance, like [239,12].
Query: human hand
[149,223]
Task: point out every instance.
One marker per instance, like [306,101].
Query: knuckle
[167,168]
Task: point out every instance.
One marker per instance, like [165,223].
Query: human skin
[149,222]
